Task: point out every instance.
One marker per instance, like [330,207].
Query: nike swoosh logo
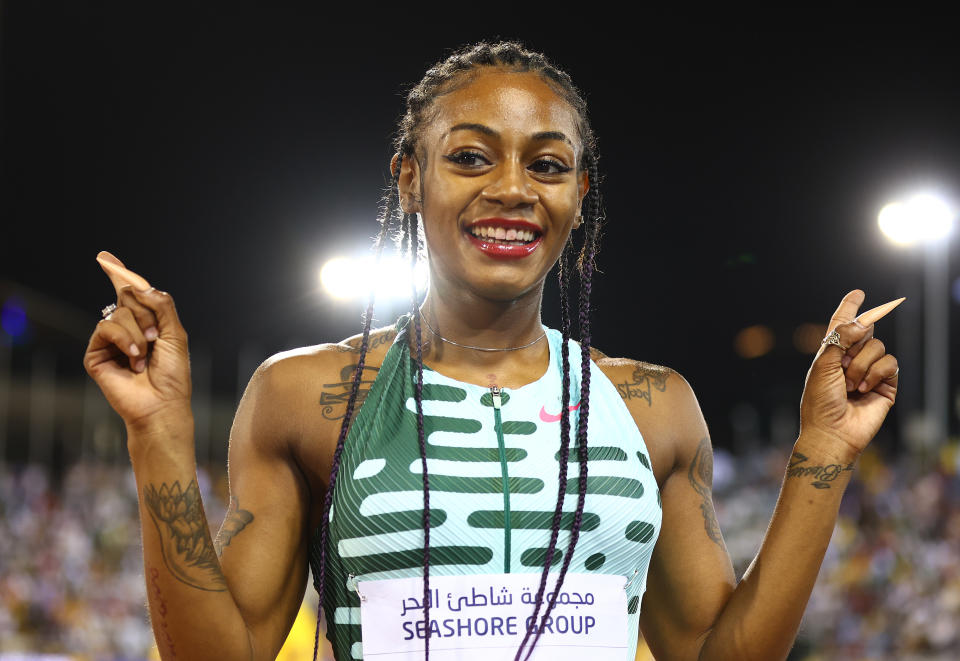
[549,417]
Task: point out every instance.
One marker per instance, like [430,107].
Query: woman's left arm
[692,609]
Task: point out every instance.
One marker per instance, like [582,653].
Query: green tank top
[493,487]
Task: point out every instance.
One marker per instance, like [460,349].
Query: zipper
[495,395]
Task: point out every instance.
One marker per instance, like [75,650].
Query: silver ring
[834,339]
[109,310]
[892,376]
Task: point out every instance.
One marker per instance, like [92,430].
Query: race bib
[485,617]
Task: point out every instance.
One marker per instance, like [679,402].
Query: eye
[468,159]
[549,166]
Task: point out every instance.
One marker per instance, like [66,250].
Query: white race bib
[484,618]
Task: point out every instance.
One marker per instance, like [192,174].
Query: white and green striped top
[493,486]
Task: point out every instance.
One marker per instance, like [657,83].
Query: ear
[583,185]
[409,183]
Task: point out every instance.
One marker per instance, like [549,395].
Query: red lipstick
[491,248]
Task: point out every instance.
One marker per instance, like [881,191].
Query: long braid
[413,245]
[585,263]
[439,80]
[320,567]
[563,277]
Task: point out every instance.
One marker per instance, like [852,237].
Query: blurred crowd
[71,572]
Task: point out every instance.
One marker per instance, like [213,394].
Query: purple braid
[586,263]
[320,573]
[412,245]
[563,276]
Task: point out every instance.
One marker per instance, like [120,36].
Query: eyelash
[462,157]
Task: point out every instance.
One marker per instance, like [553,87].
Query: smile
[504,238]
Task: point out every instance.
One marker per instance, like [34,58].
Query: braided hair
[456,71]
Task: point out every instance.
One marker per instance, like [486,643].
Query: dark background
[226,153]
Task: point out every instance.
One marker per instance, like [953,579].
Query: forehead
[505,101]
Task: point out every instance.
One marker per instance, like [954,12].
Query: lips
[504,238]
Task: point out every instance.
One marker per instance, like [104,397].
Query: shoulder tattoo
[334,396]
[355,344]
[643,382]
[700,476]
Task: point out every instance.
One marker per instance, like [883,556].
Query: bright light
[923,218]
[349,278]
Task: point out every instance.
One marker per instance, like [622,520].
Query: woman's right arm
[233,597]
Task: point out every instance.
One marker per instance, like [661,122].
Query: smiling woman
[422,470]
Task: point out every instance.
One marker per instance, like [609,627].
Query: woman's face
[497,169]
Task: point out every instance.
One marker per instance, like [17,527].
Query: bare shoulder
[299,397]
[636,379]
[317,378]
[664,406]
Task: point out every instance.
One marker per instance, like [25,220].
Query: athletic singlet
[376,520]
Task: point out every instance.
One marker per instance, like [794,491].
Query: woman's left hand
[849,391]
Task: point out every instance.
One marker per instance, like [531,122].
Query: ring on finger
[892,376]
[834,339]
[108,310]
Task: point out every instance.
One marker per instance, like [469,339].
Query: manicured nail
[849,385]
[862,387]
[119,274]
[140,366]
[874,315]
[151,334]
[845,361]
[134,350]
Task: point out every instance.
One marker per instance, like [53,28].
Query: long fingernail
[151,334]
[134,350]
[874,315]
[140,366]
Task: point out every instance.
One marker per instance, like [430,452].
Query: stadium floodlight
[927,219]
[353,278]
[922,218]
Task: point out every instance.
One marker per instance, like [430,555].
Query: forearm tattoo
[185,541]
[163,636]
[822,474]
[235,520]
[333,399]
[644,380]
[701,479]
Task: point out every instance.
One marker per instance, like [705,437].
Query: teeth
[503,234]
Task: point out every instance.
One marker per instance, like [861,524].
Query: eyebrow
[486,130]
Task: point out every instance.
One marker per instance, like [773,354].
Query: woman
[448,471]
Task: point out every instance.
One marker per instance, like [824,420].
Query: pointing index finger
[847,309]
[119,274]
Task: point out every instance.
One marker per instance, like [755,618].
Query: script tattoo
[376,340]
[822,475]
[334,398]
[701,479]
[163,632]
[184,536]
[234,521]
[645,379]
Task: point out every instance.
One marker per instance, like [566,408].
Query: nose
[510,187]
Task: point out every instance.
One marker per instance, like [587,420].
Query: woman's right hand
[138,355]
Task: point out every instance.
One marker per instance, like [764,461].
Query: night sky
[226,154]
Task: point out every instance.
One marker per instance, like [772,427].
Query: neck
[470,320]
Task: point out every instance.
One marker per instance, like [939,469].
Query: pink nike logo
[549,417]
